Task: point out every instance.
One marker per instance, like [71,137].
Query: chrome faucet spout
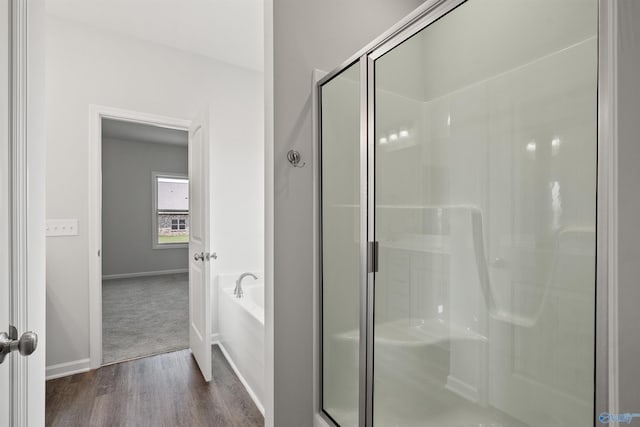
[238,289]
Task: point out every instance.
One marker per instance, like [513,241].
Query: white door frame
[96,114]
[26,157]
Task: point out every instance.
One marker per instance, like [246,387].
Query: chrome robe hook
[294,158]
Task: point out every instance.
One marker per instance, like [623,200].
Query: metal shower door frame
[605,352]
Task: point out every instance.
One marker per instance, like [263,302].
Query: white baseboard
[462,388]
[68,368]
[144,274]
[84,365]
[244,382]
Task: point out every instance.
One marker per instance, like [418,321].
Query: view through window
[172,210]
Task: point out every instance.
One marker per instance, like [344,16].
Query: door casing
[25,150]
[96,114]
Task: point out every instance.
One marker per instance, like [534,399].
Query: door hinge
[372,254]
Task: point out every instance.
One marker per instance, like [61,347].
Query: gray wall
[629,204]
[308,34]
[127,199]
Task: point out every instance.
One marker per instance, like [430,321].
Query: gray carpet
[144,316]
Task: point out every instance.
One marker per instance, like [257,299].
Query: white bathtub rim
[244,382]
[251,307]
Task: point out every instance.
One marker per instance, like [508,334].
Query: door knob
[199,256]
[26,345]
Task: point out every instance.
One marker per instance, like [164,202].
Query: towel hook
[294,158]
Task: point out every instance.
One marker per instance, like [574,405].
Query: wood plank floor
[164,390]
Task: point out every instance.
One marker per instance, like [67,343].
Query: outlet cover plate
[62,227]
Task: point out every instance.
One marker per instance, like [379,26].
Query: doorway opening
[145,238]
[121,229]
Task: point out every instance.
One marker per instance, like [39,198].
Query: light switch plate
[62,227]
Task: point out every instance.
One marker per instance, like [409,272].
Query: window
[170,211]
[178,224]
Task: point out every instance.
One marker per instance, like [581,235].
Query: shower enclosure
[458,184]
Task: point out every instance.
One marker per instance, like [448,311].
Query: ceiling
[226,30]
[129,131]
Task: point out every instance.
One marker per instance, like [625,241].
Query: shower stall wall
[458,184]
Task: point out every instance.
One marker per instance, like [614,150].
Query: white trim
[27,195]
[170,246]
[19,202]
[96,114]
[144,274]
[154,211]
[269,247]
[5,200]
[69,368]
[244,382]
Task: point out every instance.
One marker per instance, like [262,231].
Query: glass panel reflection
[485,217]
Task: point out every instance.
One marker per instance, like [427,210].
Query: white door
[22,245]
[200,257]
[4,208]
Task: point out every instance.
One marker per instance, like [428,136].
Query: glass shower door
[341,237]
[485,209]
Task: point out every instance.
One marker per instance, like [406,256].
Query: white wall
[127,205]
[307,34]
[87,66]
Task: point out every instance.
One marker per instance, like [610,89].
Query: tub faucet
[238,290]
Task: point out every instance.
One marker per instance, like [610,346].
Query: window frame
[155,211]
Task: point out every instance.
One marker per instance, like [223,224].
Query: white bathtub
[241,328]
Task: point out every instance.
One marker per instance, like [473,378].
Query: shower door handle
[373,256]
